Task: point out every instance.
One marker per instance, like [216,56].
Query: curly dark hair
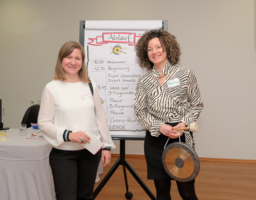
[168,41]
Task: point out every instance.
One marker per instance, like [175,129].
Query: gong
[180,162]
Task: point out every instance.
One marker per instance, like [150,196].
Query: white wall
[217,39]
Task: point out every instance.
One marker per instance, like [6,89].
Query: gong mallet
[193,128]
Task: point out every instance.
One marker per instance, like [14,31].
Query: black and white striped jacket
[177,100]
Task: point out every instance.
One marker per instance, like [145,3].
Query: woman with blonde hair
[70,114]
[167,98]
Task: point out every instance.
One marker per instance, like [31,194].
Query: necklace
[162,75]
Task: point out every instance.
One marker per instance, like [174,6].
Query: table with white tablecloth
[25,173]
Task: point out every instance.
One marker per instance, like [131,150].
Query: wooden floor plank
[216,181]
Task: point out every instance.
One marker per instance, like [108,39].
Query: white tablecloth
[25,173]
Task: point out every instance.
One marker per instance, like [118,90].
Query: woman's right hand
[78,136]
[166,129]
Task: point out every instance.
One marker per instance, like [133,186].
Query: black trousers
[74,173]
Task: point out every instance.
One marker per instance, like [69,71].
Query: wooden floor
[216,181]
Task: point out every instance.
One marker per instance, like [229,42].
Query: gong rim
[188,154]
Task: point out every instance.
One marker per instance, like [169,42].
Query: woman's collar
[165,70]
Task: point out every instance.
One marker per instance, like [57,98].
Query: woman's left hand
[105,157]
[176,133]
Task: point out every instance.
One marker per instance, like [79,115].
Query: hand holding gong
[178,131]
[179,160]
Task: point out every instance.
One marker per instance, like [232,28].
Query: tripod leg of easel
[122,155]
[142,184]
[106,178]
[125,178]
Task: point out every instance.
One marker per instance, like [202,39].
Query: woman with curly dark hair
[167,98]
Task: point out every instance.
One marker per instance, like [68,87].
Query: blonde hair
[66,50]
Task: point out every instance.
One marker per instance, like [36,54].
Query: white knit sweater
[71,106]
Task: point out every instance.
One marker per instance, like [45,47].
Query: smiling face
[156,53]
[72,63]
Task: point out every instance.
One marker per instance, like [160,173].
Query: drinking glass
[23,128]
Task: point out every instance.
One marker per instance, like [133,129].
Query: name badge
[173,83]
[85,95]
